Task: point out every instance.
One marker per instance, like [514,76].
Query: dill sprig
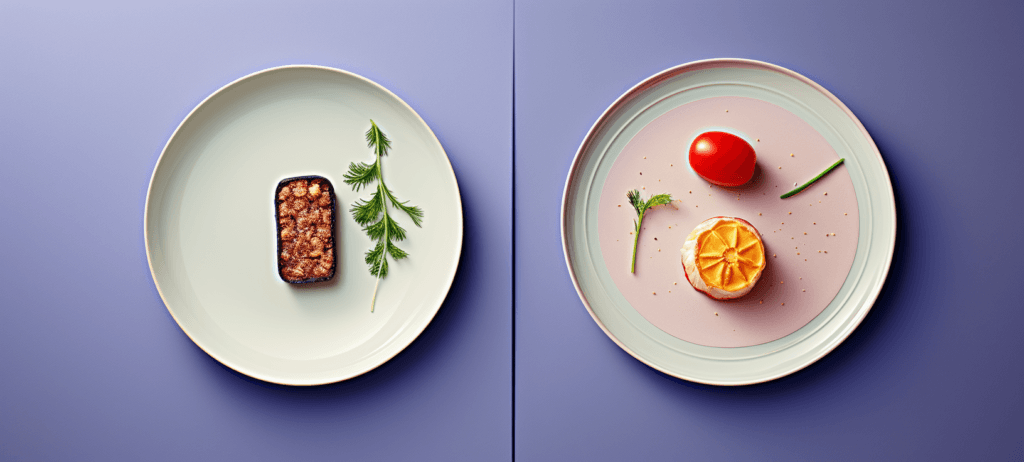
[641,207]
[373,214]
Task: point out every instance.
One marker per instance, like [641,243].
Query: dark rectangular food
[304,207]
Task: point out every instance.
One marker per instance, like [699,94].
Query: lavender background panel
[933,373]
[94,367]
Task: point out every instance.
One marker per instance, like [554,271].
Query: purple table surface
[94,367]
[933,373]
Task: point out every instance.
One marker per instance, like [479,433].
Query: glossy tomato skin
[722,158]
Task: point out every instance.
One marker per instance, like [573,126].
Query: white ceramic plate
[210,229]
[668,90]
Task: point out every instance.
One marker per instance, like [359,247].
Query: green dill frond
[360,174]
[395,231]
[376,230]
[641,207]
[635,200]
[659,199]
[373,214]
[378,140]
[414,212]
[365,212]
[374,258]
[395,252]
[386,226]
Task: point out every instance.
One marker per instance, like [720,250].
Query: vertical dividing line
[513,230]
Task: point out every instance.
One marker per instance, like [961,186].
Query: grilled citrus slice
[723,257]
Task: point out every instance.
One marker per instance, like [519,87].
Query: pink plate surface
[807,265]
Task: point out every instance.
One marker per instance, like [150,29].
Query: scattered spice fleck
[673,283]
[783,303]
[780,168]
[782,282]
[762,302]
[798,253]
[759,140]
[775,255]
[758,213]
[791,154]
[814,223]
[716,313]
[833,234]
[654,293]
[794,183]
[805,290]
[805,234]
[826,251]
[645,157]
[620,205]
[825,194]
[845,213]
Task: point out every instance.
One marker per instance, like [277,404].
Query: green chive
[805,185]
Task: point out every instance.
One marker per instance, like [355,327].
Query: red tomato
[722,158]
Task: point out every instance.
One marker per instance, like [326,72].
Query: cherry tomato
[722,158]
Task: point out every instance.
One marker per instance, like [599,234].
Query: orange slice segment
[729,256]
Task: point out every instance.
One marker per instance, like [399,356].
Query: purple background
[92,366]
[933,373]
